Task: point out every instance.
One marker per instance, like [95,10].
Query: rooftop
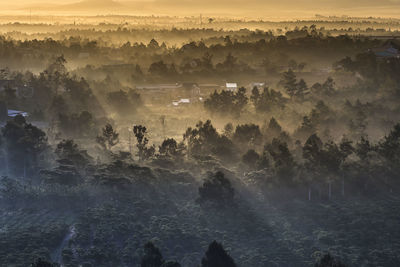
[13,113]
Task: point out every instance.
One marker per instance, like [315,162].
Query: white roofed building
[184,101]
[259,85]
[231,87]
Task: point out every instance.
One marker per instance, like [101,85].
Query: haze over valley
[160,133]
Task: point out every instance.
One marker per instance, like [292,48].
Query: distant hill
[89,5]
[81,6]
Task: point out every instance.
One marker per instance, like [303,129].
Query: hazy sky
[233,7]
[354,3]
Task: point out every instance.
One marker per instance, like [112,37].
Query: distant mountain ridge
[90,5]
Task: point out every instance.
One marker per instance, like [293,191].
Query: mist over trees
[155,147]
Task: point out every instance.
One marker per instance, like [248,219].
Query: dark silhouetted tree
[42,263]
[67,149]
[289,82]
[283,160]
[153,44]
[24,143]
[268,100]
[108,138]
[306,128]
[227,103]
[171,264]
[247,134]
[216,256]
[159,68]
[124,103]
[363,147]
[301,89]
[201,139]
[152,256]
[328,261]
[228,130]
[389,147]
[272,130]
[170,148]
[217,189]
[144,152]
[77,125]
[251,158]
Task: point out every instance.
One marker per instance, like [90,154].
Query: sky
[353,3]
[224,7]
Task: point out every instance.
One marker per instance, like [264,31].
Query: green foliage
[77,125]
[231,65]
[116,207]
[69,150]
[161,69]
[273,129]
[268,100]
[389,147]
[363,148]
[321,116]
[124,103]
[204,140]
[201,139]
[251,158]
[57,67]
[325,159]
[198,66]
[289,82]
[58,106]
[301,89]
[325,89]
[312,150]
[29,241]
[306,129]
[283,159]
[227,102]
[23,141]
[248,135]
[80,96]
[217,190]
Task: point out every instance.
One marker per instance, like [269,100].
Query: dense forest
[201,146]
